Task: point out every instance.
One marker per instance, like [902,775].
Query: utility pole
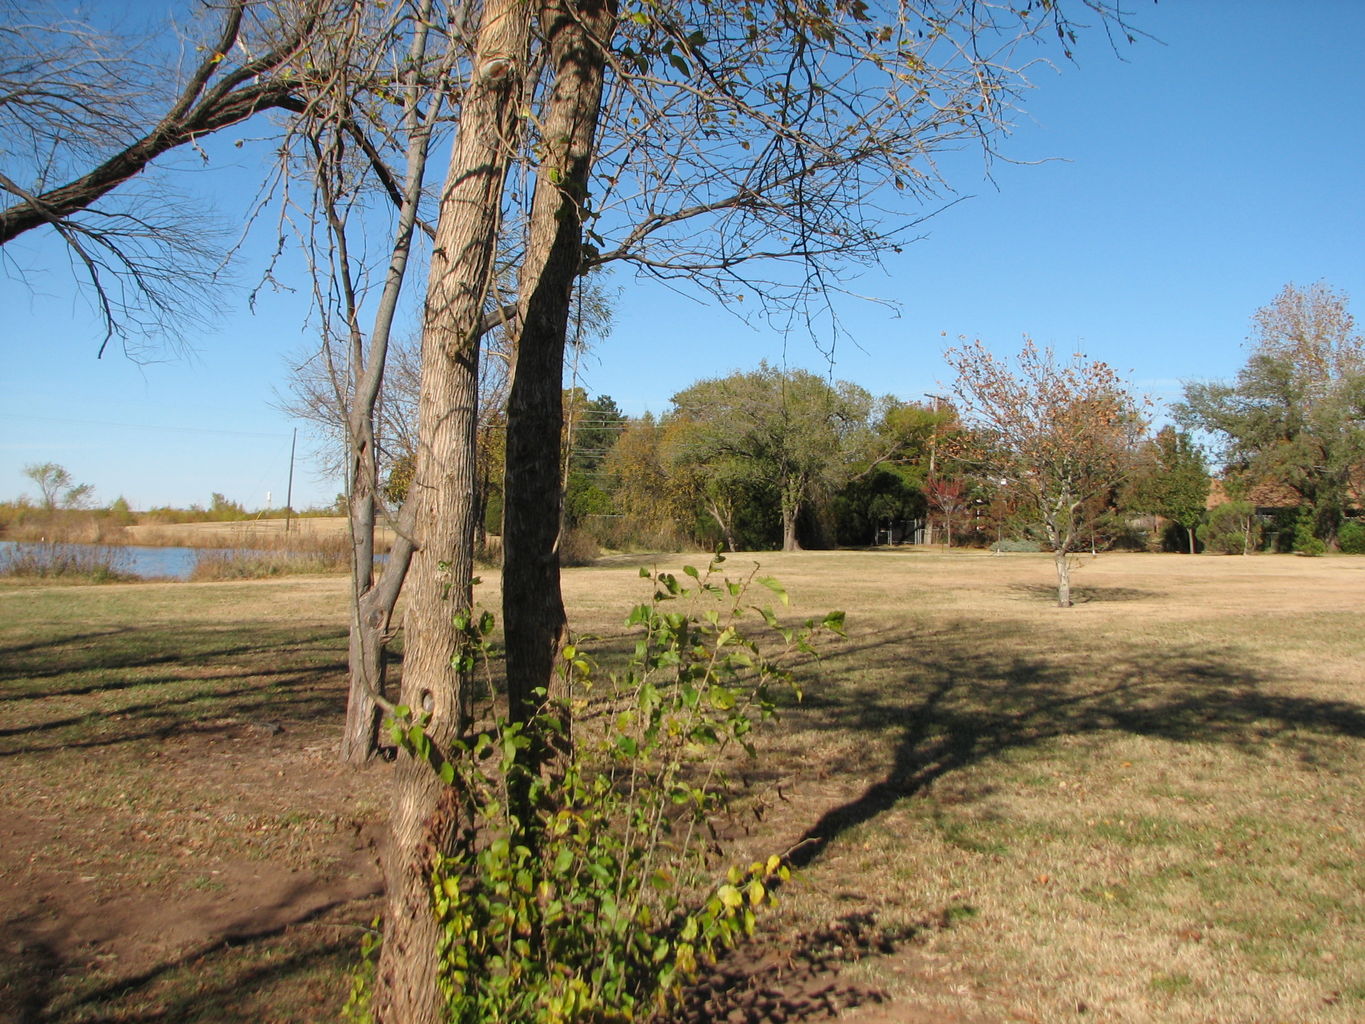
[289,493]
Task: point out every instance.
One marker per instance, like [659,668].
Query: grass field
[1143,808]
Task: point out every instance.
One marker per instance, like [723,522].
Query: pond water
[144,562]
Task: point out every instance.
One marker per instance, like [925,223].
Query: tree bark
[1063,580]
[371,619]
[425,814]
[791,512]
[576,32]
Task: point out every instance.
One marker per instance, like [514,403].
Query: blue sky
[1160,199]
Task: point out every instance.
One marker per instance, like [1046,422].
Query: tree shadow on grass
[25,667]
[100,689]
[1082,594]
[293,971]
[958,697]
[943,701]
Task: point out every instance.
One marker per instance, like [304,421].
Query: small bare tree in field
[1061,434]
[949,497]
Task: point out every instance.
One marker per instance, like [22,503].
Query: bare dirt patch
[170,798]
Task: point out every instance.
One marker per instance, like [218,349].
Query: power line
[142,426]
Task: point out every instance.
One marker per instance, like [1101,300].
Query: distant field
[247,533]
[1144,808]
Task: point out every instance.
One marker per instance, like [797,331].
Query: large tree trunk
[425,813]
[791,512]
[576,32]
[789,541]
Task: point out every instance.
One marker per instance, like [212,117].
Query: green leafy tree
[592,428]
[874,501]
[642,487]
[1295,415]
[1060,436]
[788,431]
[1232,528]
[1171,480]
[909,444]
[57,491]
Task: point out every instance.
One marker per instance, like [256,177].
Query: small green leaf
[776,588]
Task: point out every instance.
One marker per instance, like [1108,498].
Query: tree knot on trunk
[495,68]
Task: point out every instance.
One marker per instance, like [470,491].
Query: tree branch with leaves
[1059,434]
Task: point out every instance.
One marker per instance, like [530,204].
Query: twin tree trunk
[424,817]
[426,813]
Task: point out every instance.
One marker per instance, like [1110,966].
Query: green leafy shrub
[1305,541]
[604,902]
[1351,538]
[492,515]
[1232,529]
[119,513]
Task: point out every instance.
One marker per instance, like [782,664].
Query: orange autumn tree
[1059,434]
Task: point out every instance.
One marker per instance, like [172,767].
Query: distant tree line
[1040,452]
[1289,430]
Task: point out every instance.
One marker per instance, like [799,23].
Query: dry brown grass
[257,534]
[1143,808]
